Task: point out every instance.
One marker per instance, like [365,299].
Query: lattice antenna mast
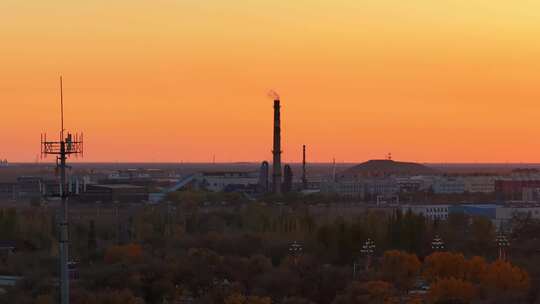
[61,110]
[62,149]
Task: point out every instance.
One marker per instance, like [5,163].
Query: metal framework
[295,250]
[437,244]
[502,244]
[368,249]
[62,149]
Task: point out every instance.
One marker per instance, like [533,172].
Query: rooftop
[118,186]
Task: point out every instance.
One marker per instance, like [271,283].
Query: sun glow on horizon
[170,81]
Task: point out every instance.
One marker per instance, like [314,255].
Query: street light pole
[295,250]
[368,249]
[502,244]
[437,244]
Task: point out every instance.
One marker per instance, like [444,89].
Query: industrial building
[120,193]
[363,188]
[220,181]
[29,187]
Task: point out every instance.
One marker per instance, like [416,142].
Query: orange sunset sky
[182,80]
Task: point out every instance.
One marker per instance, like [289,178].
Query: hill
[385,167]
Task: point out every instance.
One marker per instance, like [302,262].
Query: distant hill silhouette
[385,167]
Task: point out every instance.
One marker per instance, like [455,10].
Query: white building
[350,188]
[432,212]
[219,181]
[504,215]
[479,184]
[362,188]
[415,183]
[448,185]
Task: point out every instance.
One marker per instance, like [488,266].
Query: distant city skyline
[171,81]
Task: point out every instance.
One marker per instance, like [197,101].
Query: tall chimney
[304,176]
[276,174]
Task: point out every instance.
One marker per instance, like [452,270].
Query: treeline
[188,251]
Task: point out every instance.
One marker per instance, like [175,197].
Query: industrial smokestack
[287,179]
[304,176]
[276,174]
[263,177]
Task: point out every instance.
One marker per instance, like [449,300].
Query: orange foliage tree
[123,253]
[475,269]
[444,265]
[504,281]
[241,299]
[452,290]
[401,268]
[376,292]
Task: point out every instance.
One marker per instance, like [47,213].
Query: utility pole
[62,149]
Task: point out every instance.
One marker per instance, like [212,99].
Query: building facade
[432,212]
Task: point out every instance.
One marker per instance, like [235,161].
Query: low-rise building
[220,181]
[351,188]
[29,187]
[531,195]
[500,215]
[449,185]
[511,188]
[432,212]
[115,193]
[479,184]
[367,188]
[7,191]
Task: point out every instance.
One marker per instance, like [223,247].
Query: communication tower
[67,145]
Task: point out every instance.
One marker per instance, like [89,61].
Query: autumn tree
[482,236]
[502,280]
[444,265]
[241,299]
[123,253]
[452,290]
[400,267]
[373,292]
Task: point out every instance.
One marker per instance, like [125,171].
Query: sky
[184,80]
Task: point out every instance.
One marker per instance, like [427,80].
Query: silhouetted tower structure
[276,152]
[287,179]
[295,250]
[334,169]
[368,249]
[62,149]
[263,177]
[304,174]
[437,244]
[502,245]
